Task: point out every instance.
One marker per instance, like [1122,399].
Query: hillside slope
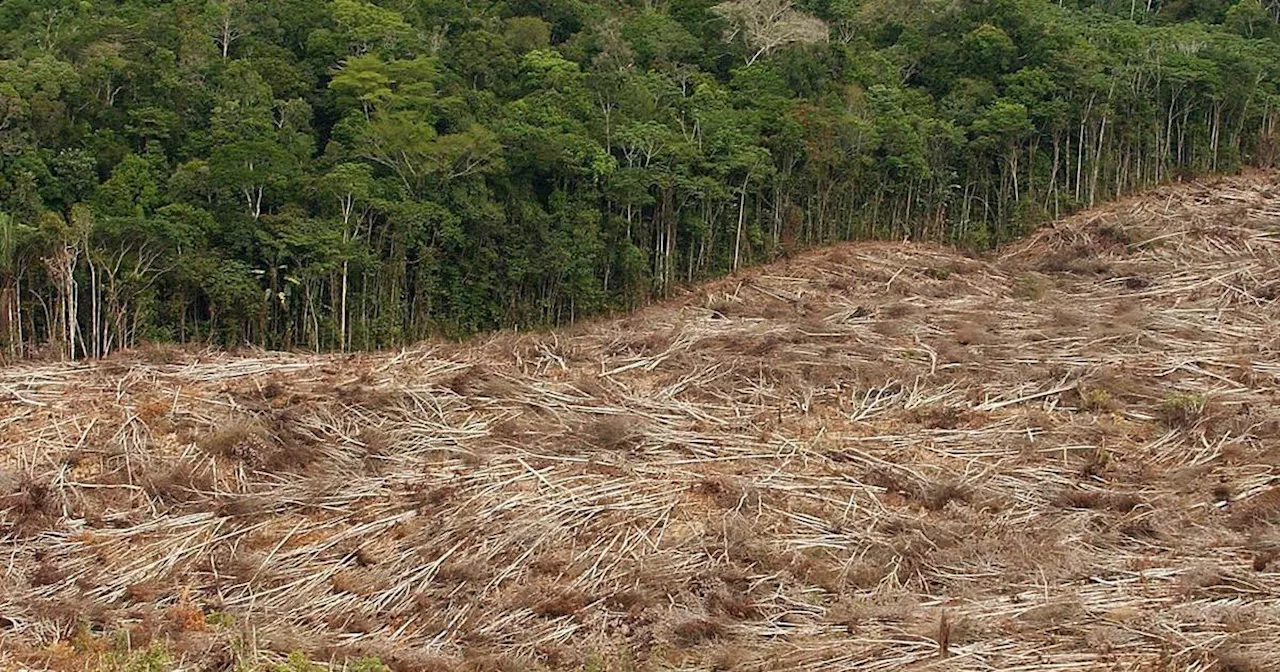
[876,456]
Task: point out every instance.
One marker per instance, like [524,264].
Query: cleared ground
[875,456]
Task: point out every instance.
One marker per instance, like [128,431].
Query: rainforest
[346,174]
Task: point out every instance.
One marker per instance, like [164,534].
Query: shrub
[1096,399]
[297,662]
[220,619]
[1183,409]
[368,665]
[152,659]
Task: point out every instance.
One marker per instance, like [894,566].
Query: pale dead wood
[1058,458]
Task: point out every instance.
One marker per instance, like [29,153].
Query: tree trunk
[742,218]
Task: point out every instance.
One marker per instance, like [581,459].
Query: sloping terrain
[875,456]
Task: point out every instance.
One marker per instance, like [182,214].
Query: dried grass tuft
[241,440]
[559,603]
[694,631]
[1261,509]
[614,432]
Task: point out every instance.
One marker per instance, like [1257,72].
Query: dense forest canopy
[336,174]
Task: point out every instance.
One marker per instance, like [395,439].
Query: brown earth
[876,456]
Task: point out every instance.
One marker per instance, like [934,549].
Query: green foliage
[220,619]
[1096,399]
[1183,409]
[367,665]
[152,659]
[353,173]
[988,50]
[119,656]
[1250,19]
[527,33]
[298,662]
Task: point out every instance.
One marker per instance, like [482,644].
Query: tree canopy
[342,174]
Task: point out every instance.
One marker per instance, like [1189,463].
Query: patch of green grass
[1096,399]
[152,659]
[1183,409]
[219,619]
[298,662]
[119,657]
[368,665]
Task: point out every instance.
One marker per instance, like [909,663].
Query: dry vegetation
[877,456]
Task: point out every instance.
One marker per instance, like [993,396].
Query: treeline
[335,174]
